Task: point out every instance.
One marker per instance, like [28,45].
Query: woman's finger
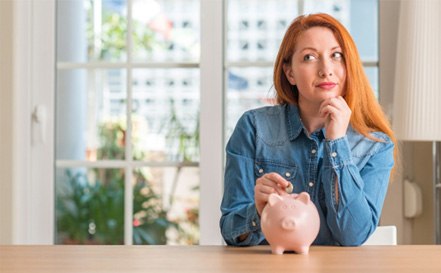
[276,179]
[262,188]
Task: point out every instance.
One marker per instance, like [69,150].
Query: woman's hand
[267,184]
[337,114]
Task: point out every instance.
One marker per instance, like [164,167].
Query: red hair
[367,114]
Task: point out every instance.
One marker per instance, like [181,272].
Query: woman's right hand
[265,185]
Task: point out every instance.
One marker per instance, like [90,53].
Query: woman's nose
[324,74]
[325,69]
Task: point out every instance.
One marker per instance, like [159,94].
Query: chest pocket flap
[286,171]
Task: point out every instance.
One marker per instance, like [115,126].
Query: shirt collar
[295,124]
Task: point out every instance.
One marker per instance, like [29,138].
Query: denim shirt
[273,139]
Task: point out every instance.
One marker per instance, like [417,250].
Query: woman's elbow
[352,241]
[353,238]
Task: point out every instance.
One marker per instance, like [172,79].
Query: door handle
[39,118]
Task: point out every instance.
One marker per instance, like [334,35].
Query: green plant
[90,205]
[184,142]
[112,42]
[91,212]
[150,222]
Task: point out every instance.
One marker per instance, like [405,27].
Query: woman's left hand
[337,114]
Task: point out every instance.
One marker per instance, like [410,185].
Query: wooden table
[177,259]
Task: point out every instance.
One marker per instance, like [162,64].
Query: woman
[327,136]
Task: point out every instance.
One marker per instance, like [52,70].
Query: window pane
[90,30]
[372,74]
[340,9]
[165,206]
[166,30]
[256,28]
[247,88]
[165,114]
[364,28]
[91,114]
[89,206]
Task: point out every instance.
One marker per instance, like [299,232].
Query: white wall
[6,102]
[423,225]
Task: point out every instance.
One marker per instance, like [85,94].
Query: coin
[289,188]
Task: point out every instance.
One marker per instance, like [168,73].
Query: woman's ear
[289,73]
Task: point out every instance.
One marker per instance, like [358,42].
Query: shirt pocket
[286,171]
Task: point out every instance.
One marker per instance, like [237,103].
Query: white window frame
[33,201]
[212,120]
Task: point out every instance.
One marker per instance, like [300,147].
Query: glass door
[127,122]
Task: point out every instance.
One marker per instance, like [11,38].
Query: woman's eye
[308,57]
[337,55]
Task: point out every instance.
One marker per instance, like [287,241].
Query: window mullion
[128,189]
[125,65]
[211,120]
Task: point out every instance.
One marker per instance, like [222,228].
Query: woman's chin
[329,95]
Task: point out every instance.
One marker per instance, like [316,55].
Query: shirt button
[260,170]
[253,223]
[334,154]
[313,151]
[311,184]
[287,174]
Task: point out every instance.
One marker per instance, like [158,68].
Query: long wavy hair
[367,114]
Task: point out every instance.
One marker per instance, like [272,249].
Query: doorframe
[33,151]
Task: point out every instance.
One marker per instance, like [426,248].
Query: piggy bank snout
[288,223]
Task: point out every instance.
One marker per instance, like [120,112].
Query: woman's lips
[327,85]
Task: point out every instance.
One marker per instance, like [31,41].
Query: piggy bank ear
[274,199]
[304,197]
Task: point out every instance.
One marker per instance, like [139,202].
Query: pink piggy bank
[290,222]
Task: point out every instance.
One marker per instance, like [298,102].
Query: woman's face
[317,67]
